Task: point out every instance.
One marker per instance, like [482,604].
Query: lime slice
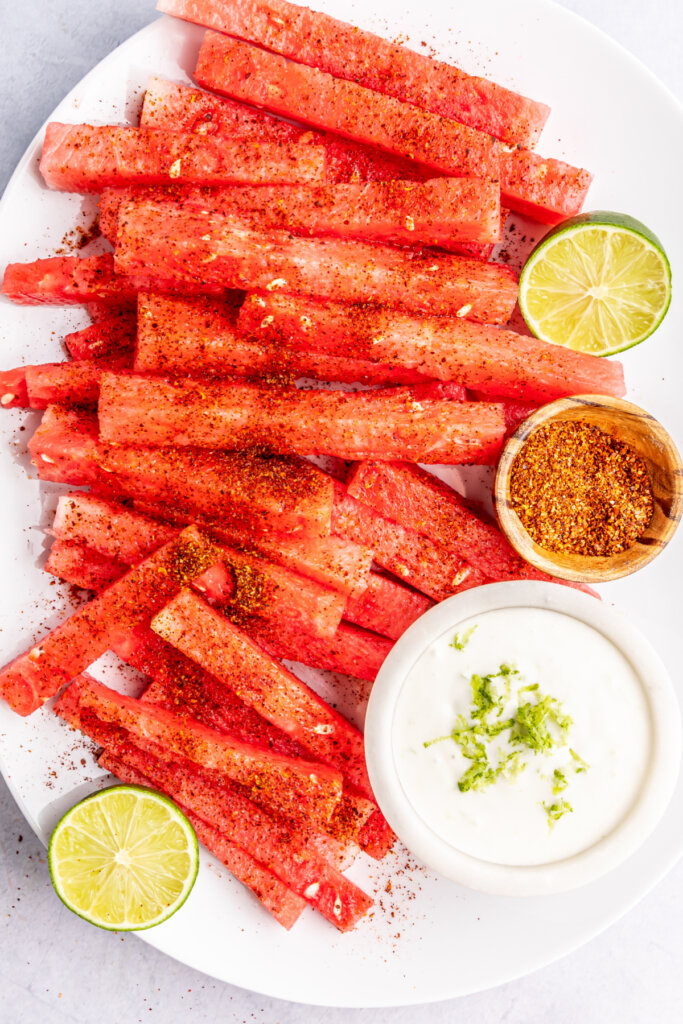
[125,858]
[599,283]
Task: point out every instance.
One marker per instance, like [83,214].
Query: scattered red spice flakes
[78,238]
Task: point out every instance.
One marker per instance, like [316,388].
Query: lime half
[125,858]
[599,283]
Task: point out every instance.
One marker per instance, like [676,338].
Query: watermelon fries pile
[253,258]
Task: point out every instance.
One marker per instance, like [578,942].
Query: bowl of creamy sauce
[523,738]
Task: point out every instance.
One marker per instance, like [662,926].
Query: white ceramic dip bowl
[463,857]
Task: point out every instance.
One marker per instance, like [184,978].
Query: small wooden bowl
[636,427]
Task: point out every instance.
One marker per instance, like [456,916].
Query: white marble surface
[53,967]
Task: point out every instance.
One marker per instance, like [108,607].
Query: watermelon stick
[287,786]
[110,529]
[13,389]
[67,384]
[268,80]
[83,158]
[32,678]
[419,501]
[89,569]
[514,410]
[230,356]
[78,383]
[169,105]
[184,109]
[331,561]
[70,280]
[352,650]
[386,607]
[75,383]
[199,337]
[445,212]
[65,447]
[126,536]
[208,249]
[376,223]
[547,189]
[346,51]
[225,651]
[110,338]
[384,425]
[490,360]
[83,567]
[262,493]
[414,558]
[63,280]
[259,587]
[298,857]
[277,898]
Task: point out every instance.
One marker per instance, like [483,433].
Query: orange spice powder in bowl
[589,488]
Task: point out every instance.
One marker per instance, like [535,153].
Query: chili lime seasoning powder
[580,491]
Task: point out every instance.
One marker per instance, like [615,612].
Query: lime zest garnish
[580,764]
[483,696]
[537,726]
[557,810]
[543,725]
[481,773]
[559,781]
[460,642]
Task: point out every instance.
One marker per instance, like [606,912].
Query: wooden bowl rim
[586,568]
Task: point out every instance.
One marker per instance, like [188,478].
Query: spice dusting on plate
[581,491]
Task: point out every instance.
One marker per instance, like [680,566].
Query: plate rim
[540,7]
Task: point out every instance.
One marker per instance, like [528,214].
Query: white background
[53,967]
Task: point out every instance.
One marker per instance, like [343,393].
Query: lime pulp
[124,858]
[598,283]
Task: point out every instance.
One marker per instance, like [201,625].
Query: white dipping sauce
[506,823]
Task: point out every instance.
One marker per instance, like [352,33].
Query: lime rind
[80,858]
[556,280]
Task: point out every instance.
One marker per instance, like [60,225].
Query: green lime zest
[557,810]
[537,726]
[482,774]
[460,727]
[478,776]
[579,764]
[460,642]
[484,696]
[541,725]
[559,781]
